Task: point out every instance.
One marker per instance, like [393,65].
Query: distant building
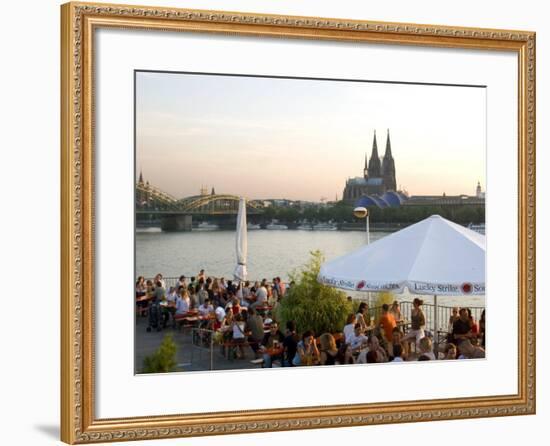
[479,192]
[445,200]
[378,175]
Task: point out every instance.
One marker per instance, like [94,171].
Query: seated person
[206,308]
[426,348]
[272,341]
[239,337]
[462,328]
[450,351]
[345,355]
[398,355]
[373,346]
[307,352]
[358,340]
[397,339]
[328,350]
[182,302]
[468,350]
[349,328]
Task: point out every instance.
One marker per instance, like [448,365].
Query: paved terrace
[188,356]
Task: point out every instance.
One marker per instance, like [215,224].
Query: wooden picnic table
[274,351]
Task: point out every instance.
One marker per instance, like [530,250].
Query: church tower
[388,169]
[374,168]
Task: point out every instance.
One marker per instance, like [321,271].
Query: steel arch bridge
[150,199]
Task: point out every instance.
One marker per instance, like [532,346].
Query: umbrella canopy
[241,242]
[434,256]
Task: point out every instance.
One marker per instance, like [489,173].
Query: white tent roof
[434,256]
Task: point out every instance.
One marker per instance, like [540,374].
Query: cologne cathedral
[378,175]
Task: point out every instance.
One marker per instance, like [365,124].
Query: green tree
[310,304]
[164,359]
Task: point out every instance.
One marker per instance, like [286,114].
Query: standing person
[362,316]
[328,350]
[182,281]
[475,327]
[261,297]
[246,294]
[281,286]
[159,278]
[202,294]
[387,323]
[255,325]
[193,298]
[418,322]
[453,318]
[307,352]
[201,275]
[395,310]
[290,344]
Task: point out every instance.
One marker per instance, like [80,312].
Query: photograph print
[303,222]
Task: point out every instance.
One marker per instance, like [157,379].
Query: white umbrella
[434,256]
[241,242]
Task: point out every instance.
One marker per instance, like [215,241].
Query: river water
[271,253]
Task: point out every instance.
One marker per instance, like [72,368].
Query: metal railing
[443,311]
[443,314]
[202,341]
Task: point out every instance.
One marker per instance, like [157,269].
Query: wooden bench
[259,361]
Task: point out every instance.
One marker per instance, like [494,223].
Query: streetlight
[361,212]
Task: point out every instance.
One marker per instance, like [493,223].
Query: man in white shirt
[261,295]
[206,308]
[358,340]
[172,295]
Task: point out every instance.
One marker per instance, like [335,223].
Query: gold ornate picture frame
[79,23]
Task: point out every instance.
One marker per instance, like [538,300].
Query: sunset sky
[301,139]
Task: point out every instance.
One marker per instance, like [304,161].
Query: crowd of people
[244,315]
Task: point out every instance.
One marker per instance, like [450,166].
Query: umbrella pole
[436,331]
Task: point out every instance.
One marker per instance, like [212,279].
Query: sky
[301,139]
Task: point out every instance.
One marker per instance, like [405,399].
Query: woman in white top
[239,337]
[362,316]
[182,303]
[349,328]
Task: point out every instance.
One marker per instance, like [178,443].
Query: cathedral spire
[374,162]
[388,170]
[140,176]
[388,146]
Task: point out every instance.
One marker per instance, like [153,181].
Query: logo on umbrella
[466,288]
[361,285]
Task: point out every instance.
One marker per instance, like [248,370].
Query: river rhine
[271,253]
